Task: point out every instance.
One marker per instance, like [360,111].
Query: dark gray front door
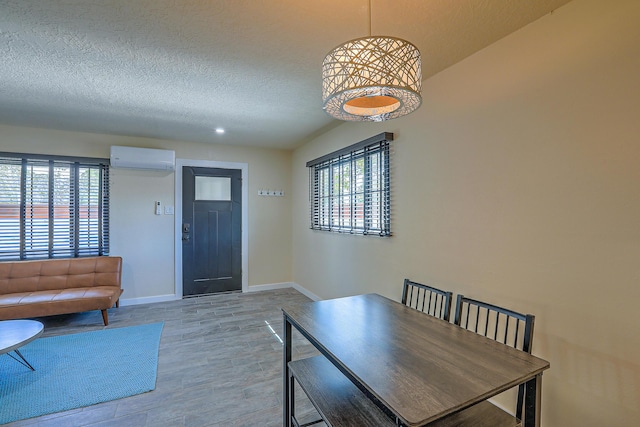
[211,230]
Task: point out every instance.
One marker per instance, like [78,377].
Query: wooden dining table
[416,367]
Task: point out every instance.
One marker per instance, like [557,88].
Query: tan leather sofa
[59,286]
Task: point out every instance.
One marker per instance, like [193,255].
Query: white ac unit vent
[142,158]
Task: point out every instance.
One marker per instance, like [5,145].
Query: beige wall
[146,241]
[517,182]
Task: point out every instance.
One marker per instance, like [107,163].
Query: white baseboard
[283,285]
[254,288]
[270,286]
[306,292]
[148,300]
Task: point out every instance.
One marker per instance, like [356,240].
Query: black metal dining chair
[427,299]
[503,325]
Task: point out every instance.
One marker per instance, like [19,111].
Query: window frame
[50,229]
[350,189]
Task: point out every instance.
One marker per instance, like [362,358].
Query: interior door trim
[244,167]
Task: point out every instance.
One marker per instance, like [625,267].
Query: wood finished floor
[220,363]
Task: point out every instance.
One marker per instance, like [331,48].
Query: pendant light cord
[369,18]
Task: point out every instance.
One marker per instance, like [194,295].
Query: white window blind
[350,188]
[53,207]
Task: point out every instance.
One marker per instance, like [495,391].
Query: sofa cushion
[55,274]
[44,303]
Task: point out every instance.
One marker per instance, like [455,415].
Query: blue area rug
[79,370]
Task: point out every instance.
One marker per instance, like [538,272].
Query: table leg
[533,402]
[23,361]
[287,383]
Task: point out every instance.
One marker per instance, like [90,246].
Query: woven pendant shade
[372,79]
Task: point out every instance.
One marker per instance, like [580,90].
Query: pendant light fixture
[373,78]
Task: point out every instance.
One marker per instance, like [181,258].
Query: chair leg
[118,303]
[105,317]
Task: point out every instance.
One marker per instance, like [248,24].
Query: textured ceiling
[177,69]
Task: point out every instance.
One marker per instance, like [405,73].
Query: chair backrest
[427,299]
[500,324]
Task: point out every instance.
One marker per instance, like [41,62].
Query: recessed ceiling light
[219,130]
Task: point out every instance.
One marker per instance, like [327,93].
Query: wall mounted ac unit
[142,158]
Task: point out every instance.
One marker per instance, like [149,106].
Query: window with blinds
[53,207]
[350,188]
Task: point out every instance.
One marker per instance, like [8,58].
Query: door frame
[244,168]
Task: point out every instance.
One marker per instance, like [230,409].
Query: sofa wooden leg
[105,317]
[118,303]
